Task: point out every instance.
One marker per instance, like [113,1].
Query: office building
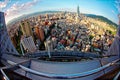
[28,44]
[26,29]
[78,15]
[40,33]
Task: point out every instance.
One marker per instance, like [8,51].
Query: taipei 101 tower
[78,15]
[78,12]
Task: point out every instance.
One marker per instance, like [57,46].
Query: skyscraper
[40,33]
[28,44]
[78,12]
[78,15]
[5,41]
[26,30]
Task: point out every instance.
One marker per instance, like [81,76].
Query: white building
[28,44]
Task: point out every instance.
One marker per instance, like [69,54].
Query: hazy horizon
[16,8]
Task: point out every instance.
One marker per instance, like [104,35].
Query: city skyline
[106,8]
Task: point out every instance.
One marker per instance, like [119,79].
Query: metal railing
[3,73]
[64,76]
[12,64]
[117,76]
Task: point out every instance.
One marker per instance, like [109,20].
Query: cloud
[117,5]
[3,4]
[18,8]
[114,12]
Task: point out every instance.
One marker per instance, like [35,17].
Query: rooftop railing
[117,76]
[5,76]
[59,76]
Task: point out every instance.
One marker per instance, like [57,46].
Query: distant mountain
[102,19]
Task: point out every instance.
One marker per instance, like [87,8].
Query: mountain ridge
[102,18]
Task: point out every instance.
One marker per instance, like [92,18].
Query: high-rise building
[5,41]
[47,16]
[40,33]
[13,39]
[26,30]
[28,44]
[78,15]
[78,12]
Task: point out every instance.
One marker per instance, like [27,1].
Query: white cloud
[117,5]
[114,12]
[17,8]
[3,4]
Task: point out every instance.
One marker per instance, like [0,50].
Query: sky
[16,8]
